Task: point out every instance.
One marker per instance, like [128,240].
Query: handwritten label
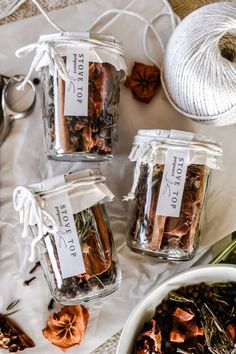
[76,90]
[172,184]
[67,240]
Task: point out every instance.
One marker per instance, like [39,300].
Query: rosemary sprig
[200,347]
[181,351]
[175,297]
[217,339]
[85,224]
[13,304]
[99,280]
[11,313]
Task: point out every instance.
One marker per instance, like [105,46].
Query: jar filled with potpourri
[67,219]
[169,191]
[81,75]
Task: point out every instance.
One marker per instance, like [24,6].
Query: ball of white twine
[198,81]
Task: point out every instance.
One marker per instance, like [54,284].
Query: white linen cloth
[23,162]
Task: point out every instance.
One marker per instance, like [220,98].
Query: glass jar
[81,92]
[169,191]
[74,241]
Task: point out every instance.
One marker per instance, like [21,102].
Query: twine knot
[29,206]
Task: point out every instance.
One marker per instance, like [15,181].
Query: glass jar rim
[86,38]
[155,137]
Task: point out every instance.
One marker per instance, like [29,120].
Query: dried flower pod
[144,81]
[66,328]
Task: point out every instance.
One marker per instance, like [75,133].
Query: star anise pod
[100,78]
[66,328]
[143,81]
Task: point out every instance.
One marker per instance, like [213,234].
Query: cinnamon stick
[17,338]
[104,233]
[64,135]
[158,232]
[198,206]
[157,221]
[95,259]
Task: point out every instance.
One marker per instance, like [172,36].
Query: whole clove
[27,282]
[51,304]
[37,264]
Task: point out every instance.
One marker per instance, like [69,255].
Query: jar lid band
[94,39]
[150,147]
[32,202]
[47,52]
[157,138]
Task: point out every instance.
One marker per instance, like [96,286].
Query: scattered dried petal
[177,337]
[194,330]
[182,315]
[232,331]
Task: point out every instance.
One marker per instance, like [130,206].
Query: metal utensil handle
[12,114]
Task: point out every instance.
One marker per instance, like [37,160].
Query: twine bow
[147,155]
[28,205]
[44,51]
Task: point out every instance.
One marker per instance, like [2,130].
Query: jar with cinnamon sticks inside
[81,75]
[169,191]
[67,219]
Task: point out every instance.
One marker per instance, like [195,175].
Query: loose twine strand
[48,48]
[198,81]
[13,5]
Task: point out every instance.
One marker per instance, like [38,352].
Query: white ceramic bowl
[146,308]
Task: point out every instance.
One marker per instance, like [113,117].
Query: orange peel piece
[66,328]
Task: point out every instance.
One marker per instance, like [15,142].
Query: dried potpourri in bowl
[169,191]
[190,313]
[81,92]
[69,223]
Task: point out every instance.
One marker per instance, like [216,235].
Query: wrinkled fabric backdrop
[23,161]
